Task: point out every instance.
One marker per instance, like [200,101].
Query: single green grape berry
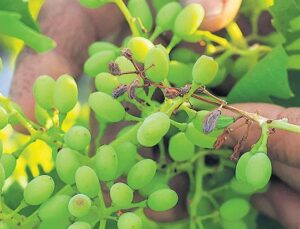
[80,225]
[66,165]
[65,93]
[141,10]
[236,224]
[87,181]
[8,162]
[106,82]
[240,170]
[139,47]
[55,208]
[50,224]
[127,154]
[106,107]
[258,170]
[158,182]
[141,173]
[234,209]
[43,90]
[181,148]
[100,46]
[99,62]
[2,177]
[180,74]
[121,195]
[166,16]
[188,20]
[92,217]
[184,55]
[3,118]
[79,205]
[205,70]
[129,220]
[126,65]
[77,138]
[162,200]
[153,128]
[39,190]
[106,163]
[157,64]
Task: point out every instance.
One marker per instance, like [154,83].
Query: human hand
[74,28]
[282,200]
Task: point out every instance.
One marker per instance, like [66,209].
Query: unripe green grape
[39,190]
[234,209]
[167,14]
[184,55]
[219,79]
[59,224]
[66,165]
[240,170]
[80,225]
[258,170]
[188,20]
[98,63]
[158,182]
[241,187]
[180,74]
[106,107]
[3,118]
[140,9]
[2,177]
[77,138]
[65,93]
[106,82]
[79,205]
[141,173]
[92,217]
[43,90]
[55,208]
[100,46]
[106,162]
[159,61]
[8,162]
[181,148]
[121,195]
[129,220]
[236,224]
[198,138]
[93,3]
[40,114]
[139,47]
[162,200]
[153,128]
[205,70]
[125,65]
[87,181]
[13,119]
[127,154]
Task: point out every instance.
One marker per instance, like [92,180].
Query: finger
[283,146]
[218,13]
[290,175]
[282,204]
[73,28]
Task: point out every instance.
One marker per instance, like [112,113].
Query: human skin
[74,28]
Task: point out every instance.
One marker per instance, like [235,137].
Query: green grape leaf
[20,7]
[285,15]
[266,80]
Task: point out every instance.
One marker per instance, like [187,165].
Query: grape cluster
[181,129]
